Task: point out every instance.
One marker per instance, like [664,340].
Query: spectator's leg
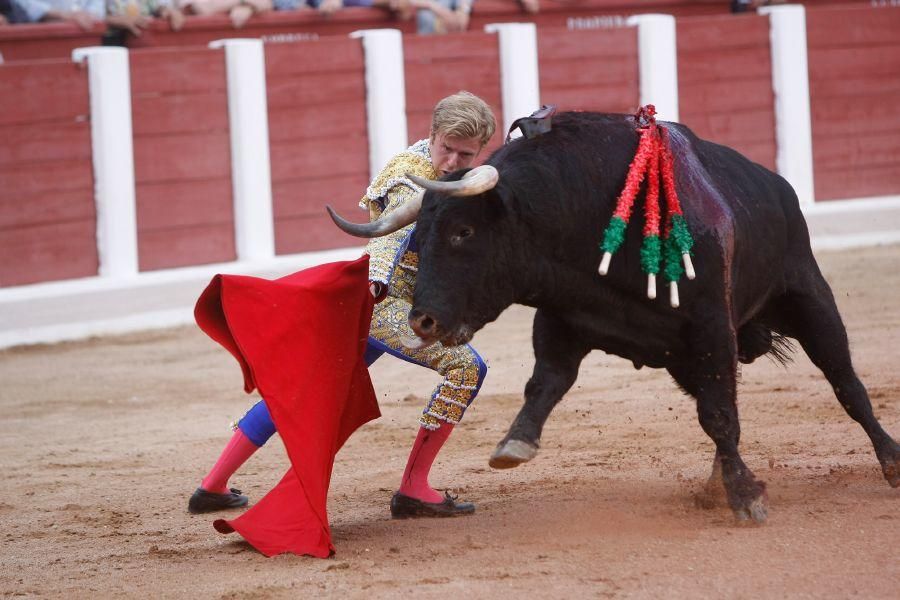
[209,7]
[425,21]
[429,22]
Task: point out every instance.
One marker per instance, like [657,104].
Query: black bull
[533,239]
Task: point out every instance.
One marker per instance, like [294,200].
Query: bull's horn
[396,219]
[478,180]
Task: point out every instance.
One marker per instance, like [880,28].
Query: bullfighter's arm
[390,189]
[385,251]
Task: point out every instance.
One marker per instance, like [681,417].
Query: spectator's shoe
[204,502]
[405,507]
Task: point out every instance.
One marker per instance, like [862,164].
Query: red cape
[300,340]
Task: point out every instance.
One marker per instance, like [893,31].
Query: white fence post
[251,177]
[658,63]
[385,95]
[109,85]
[519,80]
[790,83]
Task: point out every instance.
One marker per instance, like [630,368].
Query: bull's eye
[461,234]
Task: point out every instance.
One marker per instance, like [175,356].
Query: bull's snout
[423,324]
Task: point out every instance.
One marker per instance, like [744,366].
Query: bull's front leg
[558,353]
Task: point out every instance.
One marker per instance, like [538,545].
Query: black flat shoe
[204,502]
[404,507]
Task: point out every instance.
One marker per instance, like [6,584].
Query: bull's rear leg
[711,377]
[558,354]
[811,317]
[713,493]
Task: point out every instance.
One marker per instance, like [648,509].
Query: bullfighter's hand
[378,290]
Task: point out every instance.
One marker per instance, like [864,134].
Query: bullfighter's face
[449,153]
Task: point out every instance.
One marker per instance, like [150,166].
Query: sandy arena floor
[102,442]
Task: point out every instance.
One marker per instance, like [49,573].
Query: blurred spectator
[742,6]
[239,11]
[442,16]
[5,12]
[530,6]
[134,15]
[401,7]
[83,13]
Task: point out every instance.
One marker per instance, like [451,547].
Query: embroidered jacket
[392,260]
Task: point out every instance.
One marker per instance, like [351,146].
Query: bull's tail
[782,350]
[755,340]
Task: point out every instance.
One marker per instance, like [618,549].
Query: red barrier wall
[587,14]
[46,40]
[854,84]
[469,61]
[593,70]
[725,83]
[277,26]
[182,158]
[317,122]
[318,144]
[56,40]
[47,214]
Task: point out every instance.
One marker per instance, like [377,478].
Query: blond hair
[463,115]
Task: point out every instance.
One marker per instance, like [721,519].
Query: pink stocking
[421,457]
[238,450]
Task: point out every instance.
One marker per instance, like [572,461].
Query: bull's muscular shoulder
[395,173]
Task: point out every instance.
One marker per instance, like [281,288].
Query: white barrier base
[77,309]
[80,308]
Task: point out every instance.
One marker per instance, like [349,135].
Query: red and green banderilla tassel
[651,248]
[678,241]
[614,234]
[653,159]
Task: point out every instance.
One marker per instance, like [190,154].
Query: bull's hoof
[889,457]
[512,453]
[892,473]
[751,506]
[756,513]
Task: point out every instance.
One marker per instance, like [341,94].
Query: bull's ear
[499,200]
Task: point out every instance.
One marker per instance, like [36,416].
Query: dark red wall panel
[593,70]
[47,213]
[30,41]
[854,85]
[433,71]
[276,27]
[182,158]
[56,40]
[725,83]
[318,142]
